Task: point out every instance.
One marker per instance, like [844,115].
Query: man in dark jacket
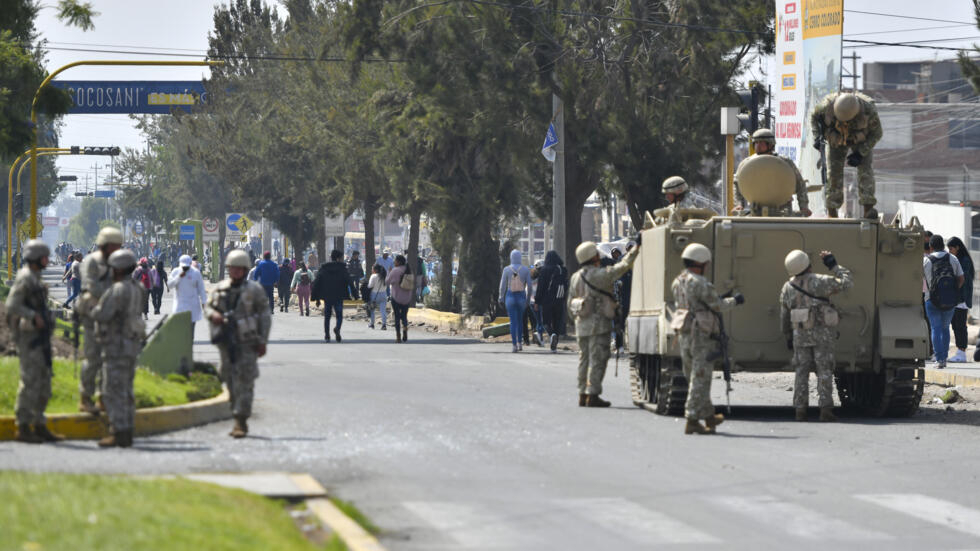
[285,281]
[356,271]
[550,296]
[267,273]
[332,285]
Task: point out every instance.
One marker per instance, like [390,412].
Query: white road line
[473,526]
[797,520]
[930,509]
[635,522]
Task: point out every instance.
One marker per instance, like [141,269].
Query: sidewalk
[955,374]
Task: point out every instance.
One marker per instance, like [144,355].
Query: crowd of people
[947,293]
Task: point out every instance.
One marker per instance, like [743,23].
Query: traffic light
[18,206]
[89,150]
[75,150]
[752,99]
[67,178]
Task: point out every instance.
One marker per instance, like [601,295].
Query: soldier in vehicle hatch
[764,142]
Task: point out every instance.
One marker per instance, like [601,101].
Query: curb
[945,378]
[353,535]
[147,421]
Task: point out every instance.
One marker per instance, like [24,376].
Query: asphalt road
[449,443]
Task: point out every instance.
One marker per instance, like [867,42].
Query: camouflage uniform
[670,212]
[96,279]
[595,331]
[120,330]
[813,338]
[859,134]
[250,307]
[28,297]
[699,344]
[786,209]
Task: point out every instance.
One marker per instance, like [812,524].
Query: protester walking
[158,277]
[378,296]
[141,275]
[944,278]
[356,272]
[332,285]
[284,285]
[267,274]
[960,313]
[515,287]
[549,298]
[402,285]
[189,293]
[74,276]
[302,282]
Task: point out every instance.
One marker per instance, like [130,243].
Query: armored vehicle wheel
[644,371]
[895,392]
[671,387]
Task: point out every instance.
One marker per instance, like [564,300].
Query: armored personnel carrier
[883,333]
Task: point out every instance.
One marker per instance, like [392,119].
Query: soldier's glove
[818,144]
[789,343]
[829,261]
[854,159]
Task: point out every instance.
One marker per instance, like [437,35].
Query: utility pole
[854,73]
[558,192]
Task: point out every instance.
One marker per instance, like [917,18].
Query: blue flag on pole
[550,141]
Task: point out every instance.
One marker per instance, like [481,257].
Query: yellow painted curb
[945,378]
[355,537]
[82,426]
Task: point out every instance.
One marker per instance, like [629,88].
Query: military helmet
[697,252]
[109,236]
[846,106]
[586,252]
[238,259]
[122,259]
[764,135]
[35,249]
[797,262]
[674,184]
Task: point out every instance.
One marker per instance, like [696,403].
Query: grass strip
[356,515]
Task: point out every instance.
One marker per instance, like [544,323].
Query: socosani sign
[101,97]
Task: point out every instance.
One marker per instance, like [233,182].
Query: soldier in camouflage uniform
[847,122]
[238,310]
[120,330]
[764,142]
[675,191]
[31,325]
[96,279]
[695,321]
[592,304]
[809,323]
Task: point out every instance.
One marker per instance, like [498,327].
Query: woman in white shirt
[379,296]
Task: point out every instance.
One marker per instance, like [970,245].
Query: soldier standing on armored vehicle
[675,192]
[809,323]
[764,142]
[240,322]
[696,322]
[31,324]
[120,331]
[96,279]
[847,122]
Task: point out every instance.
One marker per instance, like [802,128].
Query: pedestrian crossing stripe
[937,511]
[797,520]
[637,523]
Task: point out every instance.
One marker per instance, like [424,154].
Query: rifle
[43,338]
[228,332]
[75,322]
[726,365]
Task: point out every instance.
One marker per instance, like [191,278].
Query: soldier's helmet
[586,252]
[35,249]
[797,262]
[238,259]
[764,135]
[122,259]
[674,184]
[846,106]
[697,252]
[109,236]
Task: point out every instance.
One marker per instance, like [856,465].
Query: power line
[912,30]
[223,57]
[909,17]
[905,45]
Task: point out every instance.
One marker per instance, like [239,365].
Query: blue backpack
[943,291]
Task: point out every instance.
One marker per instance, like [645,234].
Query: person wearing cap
[31,324]
[239,305]
[593,306]
[189,293]
[120,330]
[847,124]
[764,142]
[675,191]
[809,323]
[96,279]
[267,274]
[697,306]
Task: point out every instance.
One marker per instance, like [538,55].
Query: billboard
[808,65]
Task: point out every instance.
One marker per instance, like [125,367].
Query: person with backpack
[402,284]
[515,288]
[944,278]
[142,276]
[549,298]
[960,313]
[302,282]
[158,279]
[377,296]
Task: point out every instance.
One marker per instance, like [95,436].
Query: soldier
[696,322]
[594,308]
[764,142]
[96,279]
[675,191]
[847,122]
[31,323]
[240,321]
[120,330]
[809,323]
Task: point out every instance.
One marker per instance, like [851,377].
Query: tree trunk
[415,218]
[444,242]
[479,266]
[370,211]
[321,238]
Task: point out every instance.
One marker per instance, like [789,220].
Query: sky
[183,25]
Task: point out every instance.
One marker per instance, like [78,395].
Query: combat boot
[827,415]
[695,427]
[44,434]
[86,405]
[25,433]
[582,399]
[110,441]
[801,414]
[241,427]
[124,438]
[831,213]
[594,401]
[713,421]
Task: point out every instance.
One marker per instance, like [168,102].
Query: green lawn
[151,390]
[59,511]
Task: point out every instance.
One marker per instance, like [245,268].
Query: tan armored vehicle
[883,334]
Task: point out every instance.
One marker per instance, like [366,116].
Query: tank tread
[672,390]
[896,392]
[642,380]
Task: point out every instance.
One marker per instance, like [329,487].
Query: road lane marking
[930,509]
[797,520]
[635,522]
[473,526]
